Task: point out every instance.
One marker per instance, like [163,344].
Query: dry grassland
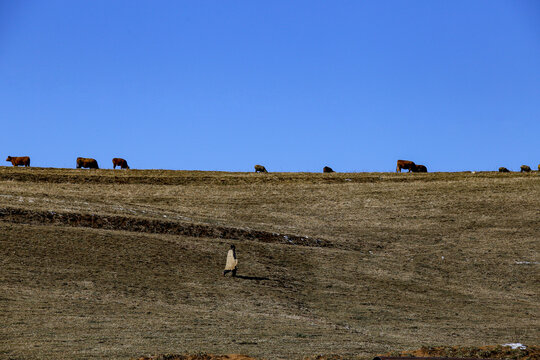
[413,260]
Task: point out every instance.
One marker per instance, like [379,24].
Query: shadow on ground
[245,277]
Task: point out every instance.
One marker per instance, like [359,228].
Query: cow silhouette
[327,169]
[419,168]
[19,160]
[120,162]
[405,164]
[87,163]
[260,168]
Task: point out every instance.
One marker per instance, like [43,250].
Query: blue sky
[292,85]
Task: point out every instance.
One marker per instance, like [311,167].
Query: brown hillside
[103,264]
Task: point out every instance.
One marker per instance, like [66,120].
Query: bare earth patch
[198,357]
[483,352]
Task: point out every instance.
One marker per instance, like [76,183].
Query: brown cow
[327,169]
[419,168]
[405,164]
[260,168]
[503,169]
[120,162]
[525,168]
[19,160]
[87,163]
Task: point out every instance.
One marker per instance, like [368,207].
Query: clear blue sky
[292,85]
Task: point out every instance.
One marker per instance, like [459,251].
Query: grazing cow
[503,169]
[19,160]
[419,168]
[87,163]
[120,162]
[525,168]
[260,168]
[405,164]
[327,169]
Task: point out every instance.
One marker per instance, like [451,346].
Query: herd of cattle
[81,162]
[90,163]
[410,165]
[523,168]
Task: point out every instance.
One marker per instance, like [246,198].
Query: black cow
[419,168]
[260,168]
[327,169]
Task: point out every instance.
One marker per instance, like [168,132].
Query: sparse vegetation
[413,260]
[482,352]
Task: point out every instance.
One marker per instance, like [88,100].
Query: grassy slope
[383,286]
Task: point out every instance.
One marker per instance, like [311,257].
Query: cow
[260,168]
[327,169]
[87,163]
[538,167]
[525,168]
[19,160]
[405,164]
[503,169]
[419,168]
[120,162]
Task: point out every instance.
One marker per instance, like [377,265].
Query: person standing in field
[232,262]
